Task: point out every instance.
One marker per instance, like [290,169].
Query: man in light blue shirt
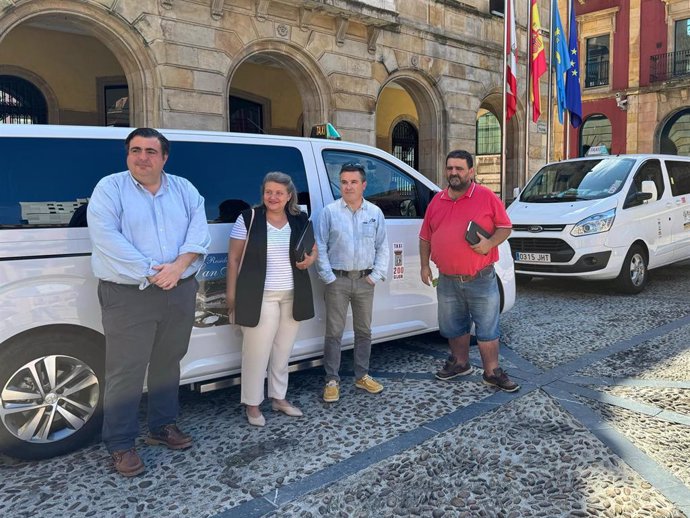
[149,236]
[353,257]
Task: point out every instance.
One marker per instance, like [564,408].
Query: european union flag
[560,59]
[573,97]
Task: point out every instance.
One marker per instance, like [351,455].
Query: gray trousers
[143,328]
[339,295]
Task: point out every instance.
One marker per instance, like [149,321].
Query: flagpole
[527,88]
[549,96]
[504,121]
[567,112]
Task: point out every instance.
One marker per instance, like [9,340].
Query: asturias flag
[573,97]
[560,59]
[511,65]
[537,61]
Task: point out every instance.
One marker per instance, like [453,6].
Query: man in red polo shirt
[467,288]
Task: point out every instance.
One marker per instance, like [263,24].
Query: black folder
[472,230]
[305,243]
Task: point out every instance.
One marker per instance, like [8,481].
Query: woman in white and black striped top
[269,292]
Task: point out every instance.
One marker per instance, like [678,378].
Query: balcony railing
[663,67]
[597,73]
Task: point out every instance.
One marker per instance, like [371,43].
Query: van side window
[396,193]
[650,170]
[679,175]
[229,176]
[44,181]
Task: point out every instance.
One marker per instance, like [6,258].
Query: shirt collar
[164,181]
[468,193]
[344,205]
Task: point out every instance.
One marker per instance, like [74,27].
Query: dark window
[679,175]
[246,116]
[497,7]
[597,65]
[116,100]
[396,193]
[21,102]
[674,138]
[44,180]
[595,131]
[650,170]
[488,135]
[406,143]
[681,54]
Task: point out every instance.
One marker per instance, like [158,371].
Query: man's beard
[458,184]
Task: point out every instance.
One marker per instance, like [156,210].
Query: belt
[181,281]
[354,274]
[467,278]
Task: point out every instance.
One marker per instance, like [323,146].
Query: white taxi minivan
[51,338]
[604,217]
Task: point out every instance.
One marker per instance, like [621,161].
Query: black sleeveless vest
[252,277]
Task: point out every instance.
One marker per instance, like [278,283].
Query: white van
[51,342]
[610,217]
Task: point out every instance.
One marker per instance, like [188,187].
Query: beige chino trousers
[267,347]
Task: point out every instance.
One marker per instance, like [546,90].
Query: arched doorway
[410,96]
[96,67]
[21,102]
[276,88]
[674,138]
[405,143]
[595,131]
[488,146]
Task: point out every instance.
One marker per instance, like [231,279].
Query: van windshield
[578,180]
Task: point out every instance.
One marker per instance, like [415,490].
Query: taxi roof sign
[599,150]
[325,130]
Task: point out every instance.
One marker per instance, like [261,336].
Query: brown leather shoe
[127,462]
[171,436]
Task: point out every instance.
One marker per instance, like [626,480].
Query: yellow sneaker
[369,384]
[331,392]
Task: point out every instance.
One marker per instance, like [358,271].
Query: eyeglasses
[352,166]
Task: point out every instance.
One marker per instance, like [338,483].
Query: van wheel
[51,393]
[634,274]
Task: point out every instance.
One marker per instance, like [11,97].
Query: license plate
[530,257]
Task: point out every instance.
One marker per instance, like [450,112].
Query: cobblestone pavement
[601,427]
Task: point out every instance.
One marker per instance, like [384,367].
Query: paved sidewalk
[601,427]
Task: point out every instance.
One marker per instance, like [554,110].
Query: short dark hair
[352,167]
[149,133]
[461,153]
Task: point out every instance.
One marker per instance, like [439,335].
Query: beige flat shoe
[287,409]
[260,420]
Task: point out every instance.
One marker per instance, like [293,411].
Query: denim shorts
[461,303]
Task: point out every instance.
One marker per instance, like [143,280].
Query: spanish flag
[537,61]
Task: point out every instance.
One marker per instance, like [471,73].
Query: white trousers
[267,347]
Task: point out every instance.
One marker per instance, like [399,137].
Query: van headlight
[594,224]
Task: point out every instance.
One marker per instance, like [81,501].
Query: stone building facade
[408,76]
[635,77]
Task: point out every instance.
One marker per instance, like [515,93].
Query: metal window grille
[488,135]
[406,143]
[21,102]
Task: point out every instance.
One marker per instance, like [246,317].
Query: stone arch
[126,44]
[432,119]
[662,127]
[312,83]
[493,102]
[41,84]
